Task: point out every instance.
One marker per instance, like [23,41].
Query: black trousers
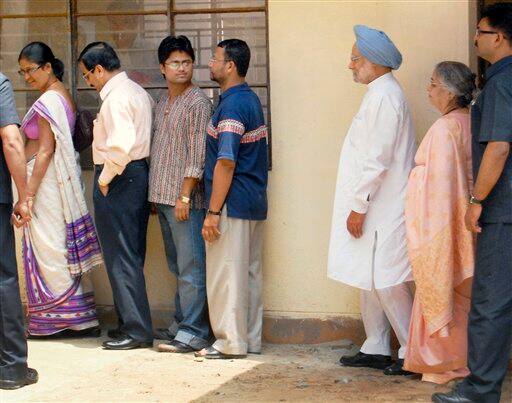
[490,318]
[121,221]
[13,344]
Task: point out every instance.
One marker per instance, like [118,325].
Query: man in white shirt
[122,133]
[368,247]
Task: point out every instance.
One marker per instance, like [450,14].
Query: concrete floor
[79,370]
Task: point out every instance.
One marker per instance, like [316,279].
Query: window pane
[31,6]
[88,6]
[135,39]
[194,4]
[206,30]
[16,33]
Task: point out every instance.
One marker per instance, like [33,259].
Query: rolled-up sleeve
[8,114]
[382,123]
[198,117]
[118,121]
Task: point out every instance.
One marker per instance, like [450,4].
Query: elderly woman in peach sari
[441,250]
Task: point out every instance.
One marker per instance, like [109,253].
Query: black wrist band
[213,212]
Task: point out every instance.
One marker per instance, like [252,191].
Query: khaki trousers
[233,286]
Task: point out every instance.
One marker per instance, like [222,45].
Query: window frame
[171,11]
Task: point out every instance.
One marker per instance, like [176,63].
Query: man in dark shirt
[490,215]
[14,373]
[236,192]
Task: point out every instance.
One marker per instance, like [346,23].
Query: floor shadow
[312,379]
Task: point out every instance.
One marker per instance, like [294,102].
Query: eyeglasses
[482,32]
[214,60]
[28,71]
[176,64]
[84,76]
[354,59]
[433,83]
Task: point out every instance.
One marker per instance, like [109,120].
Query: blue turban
[377,47]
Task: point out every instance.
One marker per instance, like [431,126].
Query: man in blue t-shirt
[489,214]
[14,372]
[235,177]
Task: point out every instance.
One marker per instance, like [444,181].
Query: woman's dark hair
[238,52]
[175,44]
[459,80]
[40,53]
[499,16]
[99,53]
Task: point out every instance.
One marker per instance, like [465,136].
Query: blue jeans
[184,248]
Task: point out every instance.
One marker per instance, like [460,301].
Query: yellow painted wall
[313,100]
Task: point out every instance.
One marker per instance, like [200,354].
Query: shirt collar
[498,66]
[112,83]
[381,80]
[232,90]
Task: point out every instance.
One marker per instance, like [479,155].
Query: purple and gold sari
[60,244]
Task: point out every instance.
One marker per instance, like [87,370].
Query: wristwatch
[101,183]
[185,199]
[214,212]
[474,200]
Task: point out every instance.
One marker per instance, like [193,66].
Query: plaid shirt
[178,147]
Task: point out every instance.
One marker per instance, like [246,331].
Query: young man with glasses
[176,187]
[122,133]
[489,214]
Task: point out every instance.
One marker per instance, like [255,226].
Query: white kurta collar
[381,81]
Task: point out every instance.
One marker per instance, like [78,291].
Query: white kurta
[375,162]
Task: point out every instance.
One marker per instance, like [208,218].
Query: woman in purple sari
[59,243]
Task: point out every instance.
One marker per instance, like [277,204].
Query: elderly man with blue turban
[368,248]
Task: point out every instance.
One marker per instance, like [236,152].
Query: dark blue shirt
[237,132]
[8,116]
[491,120]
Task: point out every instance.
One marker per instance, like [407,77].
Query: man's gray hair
[458,79]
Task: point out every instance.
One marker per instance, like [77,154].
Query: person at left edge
[120,147]
[14,372]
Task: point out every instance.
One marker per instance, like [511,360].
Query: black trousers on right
[490,318]
[13,344]
[121,221]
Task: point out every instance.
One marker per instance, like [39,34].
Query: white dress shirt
[375,162]
[122,130]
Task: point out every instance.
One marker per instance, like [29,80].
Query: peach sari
[441,250]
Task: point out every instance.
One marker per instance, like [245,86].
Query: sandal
[211,353]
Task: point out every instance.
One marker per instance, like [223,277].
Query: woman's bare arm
[43,157]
